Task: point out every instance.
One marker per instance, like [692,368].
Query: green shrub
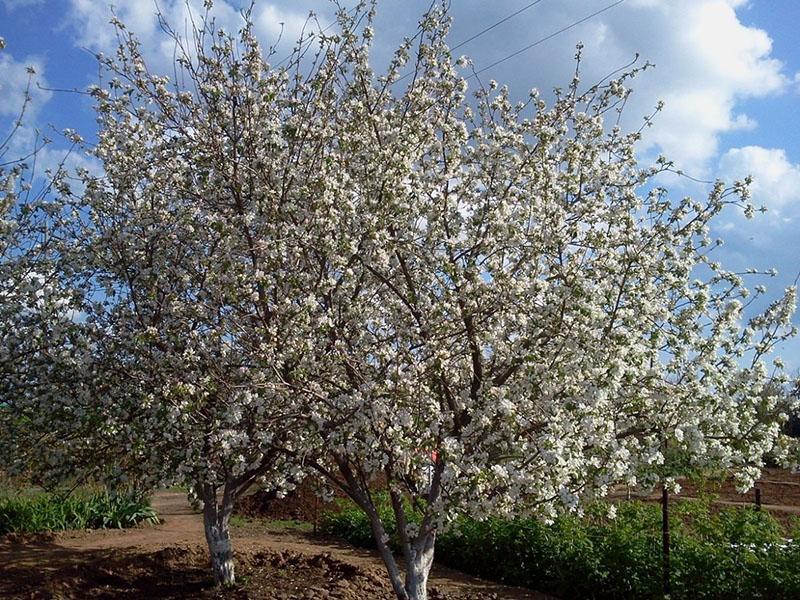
[733,553]
[52,512]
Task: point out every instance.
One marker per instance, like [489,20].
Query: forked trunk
[216,520]
[419,560]
[417,551]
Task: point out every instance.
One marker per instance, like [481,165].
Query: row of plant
[731,553]
[82,510]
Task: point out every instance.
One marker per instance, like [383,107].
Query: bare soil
[780,494]
[170,560]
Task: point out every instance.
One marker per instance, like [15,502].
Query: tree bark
[216,521]
[381,540]
[417,552]
[419,567]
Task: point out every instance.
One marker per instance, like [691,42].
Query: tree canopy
[479,305]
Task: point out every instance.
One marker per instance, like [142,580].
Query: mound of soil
[301,504]
[182,572]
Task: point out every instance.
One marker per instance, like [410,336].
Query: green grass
[33,513]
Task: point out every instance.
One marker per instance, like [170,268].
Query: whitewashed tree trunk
[417,550]
[419,560]
[381,540]
[216,521]
[419,567]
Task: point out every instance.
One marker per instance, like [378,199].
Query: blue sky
[728,71]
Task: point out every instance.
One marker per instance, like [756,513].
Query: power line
[488,29]
[483,31]
[546,38]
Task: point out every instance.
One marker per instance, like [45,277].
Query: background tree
[38,341]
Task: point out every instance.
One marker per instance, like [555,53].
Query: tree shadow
[41,568]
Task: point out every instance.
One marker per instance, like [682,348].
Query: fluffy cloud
[90,22]
[706,60]
[776,180]
[14,77]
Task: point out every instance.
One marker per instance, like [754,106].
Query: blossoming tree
[527,317]
[480,306]
[200,274]
[37,333]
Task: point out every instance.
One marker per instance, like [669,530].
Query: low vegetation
[730,553]
[84,510]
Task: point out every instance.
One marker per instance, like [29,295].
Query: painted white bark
[419,567]
[216,521]
[380,536]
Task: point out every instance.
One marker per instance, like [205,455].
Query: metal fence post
[665,540]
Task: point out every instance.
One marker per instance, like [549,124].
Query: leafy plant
[732,553]
[53,512]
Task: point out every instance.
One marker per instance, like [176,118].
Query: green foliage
[351,523]
[53,512]
[733,553]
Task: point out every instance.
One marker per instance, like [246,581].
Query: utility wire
[546,38]
[484,31]
[500,22]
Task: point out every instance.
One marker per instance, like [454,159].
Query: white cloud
[706,60]
[90,21]
[14,76]
[273,22]
[776,180]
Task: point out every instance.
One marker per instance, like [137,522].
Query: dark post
[758,498]
[316,511]
[665,539]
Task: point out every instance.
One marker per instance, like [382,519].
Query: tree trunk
[420,552]
[381,540]
[419,567]
[216,520]
[417,552]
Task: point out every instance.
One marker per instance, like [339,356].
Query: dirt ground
[780,494]
[273,561]
[170,561]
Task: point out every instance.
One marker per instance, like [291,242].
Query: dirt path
[168,561]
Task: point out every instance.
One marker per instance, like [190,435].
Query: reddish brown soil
[780,494]
[302,504]
[170,561]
